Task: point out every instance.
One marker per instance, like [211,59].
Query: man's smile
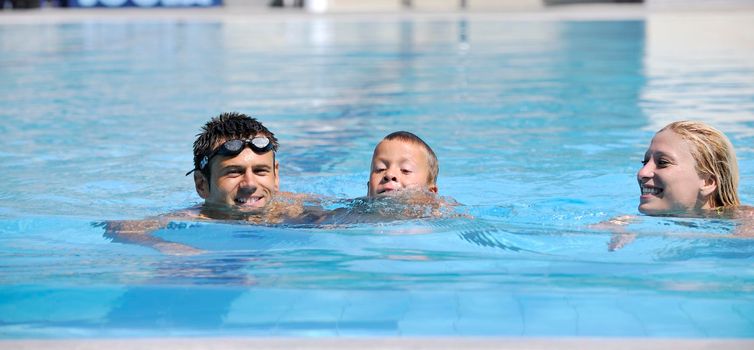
[249,201]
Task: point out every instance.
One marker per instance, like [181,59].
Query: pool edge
[380,343]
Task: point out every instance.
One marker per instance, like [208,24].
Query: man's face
[399,165]
[247,181]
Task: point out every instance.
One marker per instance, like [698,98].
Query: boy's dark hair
[227,126]
[405,136]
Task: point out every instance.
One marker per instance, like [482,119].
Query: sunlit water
[539,127]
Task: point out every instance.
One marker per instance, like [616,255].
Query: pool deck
[261,15]
[366,343]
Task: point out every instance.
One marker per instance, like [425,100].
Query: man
[236,174]
[234,165]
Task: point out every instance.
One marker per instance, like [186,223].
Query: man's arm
[140,232]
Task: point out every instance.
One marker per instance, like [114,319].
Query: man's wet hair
[405,136]
[227,126]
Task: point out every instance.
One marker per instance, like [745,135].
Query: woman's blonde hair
[714,157]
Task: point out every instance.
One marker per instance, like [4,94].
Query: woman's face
[668,180]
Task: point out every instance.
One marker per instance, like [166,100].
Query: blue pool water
[539,126]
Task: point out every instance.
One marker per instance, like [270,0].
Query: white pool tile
[547,315]
[431,313]
[600,316]
[489,313]
[262,306]
[718,318]
[659,316]
[363,305]
[369,314]
[22,304]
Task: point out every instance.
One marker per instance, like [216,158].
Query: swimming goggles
[259,145]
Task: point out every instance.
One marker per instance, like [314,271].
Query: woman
[690,170]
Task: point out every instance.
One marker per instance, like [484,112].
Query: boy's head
[401,161]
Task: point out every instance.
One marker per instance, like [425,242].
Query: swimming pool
[539,126]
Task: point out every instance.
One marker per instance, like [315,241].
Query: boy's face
[399,165]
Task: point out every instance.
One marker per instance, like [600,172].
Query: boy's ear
[367,188]
[433,188]
[202,185]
